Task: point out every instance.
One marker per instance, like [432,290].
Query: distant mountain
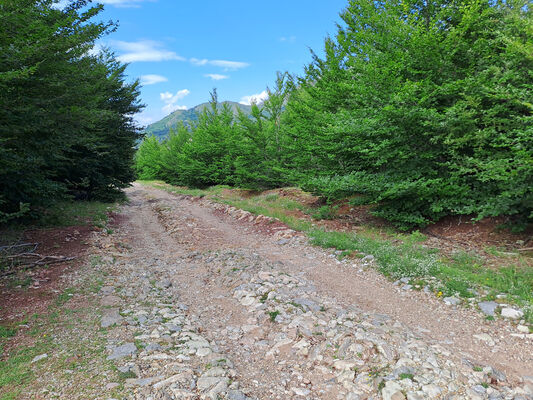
[161,128]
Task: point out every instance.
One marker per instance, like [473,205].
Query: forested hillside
[162,128]
[420,109]
[66,127]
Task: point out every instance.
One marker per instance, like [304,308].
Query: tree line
[420,108]
[66,113]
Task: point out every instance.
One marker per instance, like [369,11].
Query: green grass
[397,254]
[64,297]
[7,332]
[406,376]
[76,213]
[325,212]
[273,315]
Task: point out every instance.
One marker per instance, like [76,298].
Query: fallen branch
[38,260]
[16,246]
[526,249]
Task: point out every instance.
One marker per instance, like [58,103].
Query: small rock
[485,338]
[39,358]
[111,317]
[392,391]
[451,301]
[110,300]
[511,313]
[111,386]
[522,328]
[107,290]
[301,391]
[488,307]
[164,284]
[432,391]
[125,350]
[203,351]
[235,395]
[368,259]
[153,347]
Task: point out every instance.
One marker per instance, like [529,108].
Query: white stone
[392,391]
[39,358]
[511,313]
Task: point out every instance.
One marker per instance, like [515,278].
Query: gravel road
[205,301]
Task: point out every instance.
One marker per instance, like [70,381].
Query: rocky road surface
[202,303]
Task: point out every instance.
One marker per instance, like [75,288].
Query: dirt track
[282,310]
[201,300]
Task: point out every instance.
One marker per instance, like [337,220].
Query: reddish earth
[460,230]
[32,291]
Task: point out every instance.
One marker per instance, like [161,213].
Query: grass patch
[325,212]
[7,332]
[406,376]
[273,315]
[64,297]
[76,213]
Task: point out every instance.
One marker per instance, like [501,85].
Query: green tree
[422,108]
[66,125]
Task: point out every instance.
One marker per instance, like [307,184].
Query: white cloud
[123,3]
[144,119]
[152,79]
[216,77]
[199,62]
[289,39]
[169,108]
[170,100]
[254,98]
[227,65]
[60,4]
[144,50]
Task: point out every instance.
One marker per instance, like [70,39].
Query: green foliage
[325,212]
[66,115]
[221,148]
[419,110]
[423,110]
[162,129]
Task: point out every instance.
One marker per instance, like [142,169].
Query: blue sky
[181,50]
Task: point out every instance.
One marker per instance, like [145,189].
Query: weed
[7,332]
[20,282]
[264,297]
[325,212]
[296,305]
[478,369]
[273,315]
[406,376]
[64,297]
[126,375]
[76,213]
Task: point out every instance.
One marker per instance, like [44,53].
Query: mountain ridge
[161,128]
